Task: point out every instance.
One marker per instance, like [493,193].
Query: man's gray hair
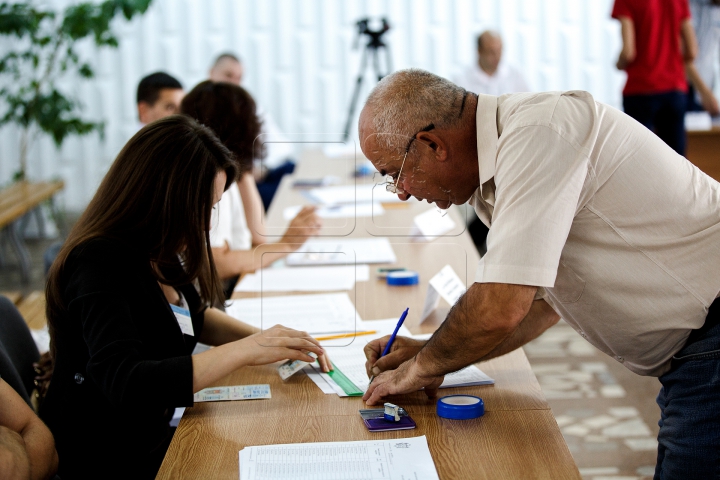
[406,101]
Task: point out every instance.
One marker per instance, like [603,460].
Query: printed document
[342,251]
[401,458]
[304,279]
[323,313]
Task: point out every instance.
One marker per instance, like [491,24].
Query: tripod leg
[376,64]
[356,93]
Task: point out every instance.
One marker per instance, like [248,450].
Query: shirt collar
[487,136]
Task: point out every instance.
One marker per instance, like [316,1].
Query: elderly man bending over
[592,218]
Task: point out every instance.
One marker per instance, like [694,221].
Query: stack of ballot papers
[348,358]
[352,194]
[330,313]
[342,251]
[304,279]
[401,458]
[349,210]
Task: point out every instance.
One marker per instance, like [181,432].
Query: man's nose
[404,196]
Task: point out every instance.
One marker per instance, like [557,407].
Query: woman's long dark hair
[157,198]
[230,111]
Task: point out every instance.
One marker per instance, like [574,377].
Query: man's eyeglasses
[392,186]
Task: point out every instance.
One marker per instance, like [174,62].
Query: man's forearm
[540,317]
[482,320]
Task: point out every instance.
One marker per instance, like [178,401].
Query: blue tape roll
[460,407]
[406,277]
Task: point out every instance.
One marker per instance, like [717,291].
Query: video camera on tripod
[374,45]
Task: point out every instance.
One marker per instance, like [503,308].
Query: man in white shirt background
[491,76]
[279,151]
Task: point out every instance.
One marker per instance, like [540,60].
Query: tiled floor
[606,413]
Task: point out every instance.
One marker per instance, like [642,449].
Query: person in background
[158,96]
[706,20]
[122,356]
[491,75]
[658,50]
[238,222]
[27,448]
[279,152]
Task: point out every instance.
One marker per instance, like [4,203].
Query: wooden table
[703,149]
[16,202]
[516,438]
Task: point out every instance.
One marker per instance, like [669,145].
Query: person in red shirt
[658,44]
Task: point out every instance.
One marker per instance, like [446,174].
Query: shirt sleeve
[120,363]
[538,180]
[621,8]
[221,221]
[685,10]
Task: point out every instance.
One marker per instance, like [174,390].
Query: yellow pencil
[345,335]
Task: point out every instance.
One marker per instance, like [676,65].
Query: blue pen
[392,337]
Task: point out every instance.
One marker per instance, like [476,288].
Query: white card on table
[237,392]
[431,224]
[446,285]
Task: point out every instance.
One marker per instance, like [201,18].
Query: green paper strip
[348,387]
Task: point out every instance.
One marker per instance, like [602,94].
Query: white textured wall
[300,65]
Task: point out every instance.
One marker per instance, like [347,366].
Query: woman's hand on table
[402,349]
[281,343]
[306,224]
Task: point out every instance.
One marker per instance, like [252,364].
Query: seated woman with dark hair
[122,355]
[238,222]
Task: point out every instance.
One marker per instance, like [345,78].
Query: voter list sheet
[397,459]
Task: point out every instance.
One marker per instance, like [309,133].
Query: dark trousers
[663,113]
[689,401]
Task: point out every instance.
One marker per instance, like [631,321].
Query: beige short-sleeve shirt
[622,232]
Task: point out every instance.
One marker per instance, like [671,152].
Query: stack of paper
[349,210]
[304,279]
[343,252]
[352,194]
[405,458]
[316,314]
[348,358]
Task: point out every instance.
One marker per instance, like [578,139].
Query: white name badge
[183,319]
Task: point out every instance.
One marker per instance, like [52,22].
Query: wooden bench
[32,309]
[16,201]
[13,296]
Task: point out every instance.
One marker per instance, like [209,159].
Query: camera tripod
[372,48]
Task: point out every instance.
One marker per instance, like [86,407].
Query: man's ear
[434,142]
[143,108]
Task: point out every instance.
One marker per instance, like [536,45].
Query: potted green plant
[43,50]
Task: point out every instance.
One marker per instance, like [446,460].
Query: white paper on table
[350,359]
[322,313]
[340,211]
[352,194]
[401,458]
[342,251]
[304,279]
[445,284]
[429,225]
[318,380]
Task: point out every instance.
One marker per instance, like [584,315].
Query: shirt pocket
[569,286]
